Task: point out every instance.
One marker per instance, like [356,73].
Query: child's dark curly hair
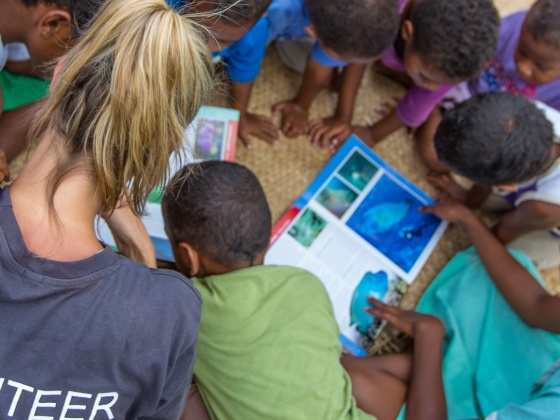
[543,20]
[495,138]
[221,210]
[82,11]
[455,37]
[355,28]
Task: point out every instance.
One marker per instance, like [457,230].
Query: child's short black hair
[543,20]
[221,210]
[456,37]
[495,138]
[82,11]
[359,28]
[238,11]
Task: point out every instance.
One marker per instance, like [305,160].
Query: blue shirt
[284,20]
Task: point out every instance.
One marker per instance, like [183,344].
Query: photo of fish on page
[358,229]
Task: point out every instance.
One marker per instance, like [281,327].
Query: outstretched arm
[426,395]
[526,296]
[338,127]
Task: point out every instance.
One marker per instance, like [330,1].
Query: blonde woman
[85,333]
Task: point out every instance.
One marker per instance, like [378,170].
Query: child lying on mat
[499,319]
[268,343]
[506,146]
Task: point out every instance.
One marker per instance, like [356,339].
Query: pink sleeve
[416,106]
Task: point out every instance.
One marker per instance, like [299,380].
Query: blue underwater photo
[358,171]
[336,197]
[307,228]
[374,285]
[388,218]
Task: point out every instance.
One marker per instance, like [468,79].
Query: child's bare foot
[448,185]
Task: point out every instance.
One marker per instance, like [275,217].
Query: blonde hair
[124,96]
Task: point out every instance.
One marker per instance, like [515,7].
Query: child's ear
[310,30]
[190,257]
[407,30]
[56,22]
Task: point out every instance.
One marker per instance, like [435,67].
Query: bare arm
[529,216]
[251,124]
[130,235]
[351,80]
[526,296]
[337,127]
[381,129]
[477,195]
[426,395]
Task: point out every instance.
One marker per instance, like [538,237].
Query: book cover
[211,136]
[358,229]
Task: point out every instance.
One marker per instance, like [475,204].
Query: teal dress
[491,357]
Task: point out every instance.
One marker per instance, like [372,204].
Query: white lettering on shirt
[38,404]
[20,389]
[106,407]
[69,406]
[100,409]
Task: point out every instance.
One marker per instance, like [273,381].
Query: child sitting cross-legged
[268,344]
[506,146]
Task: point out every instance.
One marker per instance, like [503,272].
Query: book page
[358,229]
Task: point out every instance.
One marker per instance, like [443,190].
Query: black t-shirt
[100,338]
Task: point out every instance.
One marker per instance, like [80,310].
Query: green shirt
[268,348]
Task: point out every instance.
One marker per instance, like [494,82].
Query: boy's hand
[326,131]
[410,322]
[258,126]
[448,186]
[4,168]
[450,210]
[294,121]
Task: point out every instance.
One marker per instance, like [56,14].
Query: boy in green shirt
[268,343]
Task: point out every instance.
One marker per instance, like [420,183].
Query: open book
[357,228]
[211,136]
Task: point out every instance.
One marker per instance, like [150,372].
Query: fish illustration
[374,285]
[382,217]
